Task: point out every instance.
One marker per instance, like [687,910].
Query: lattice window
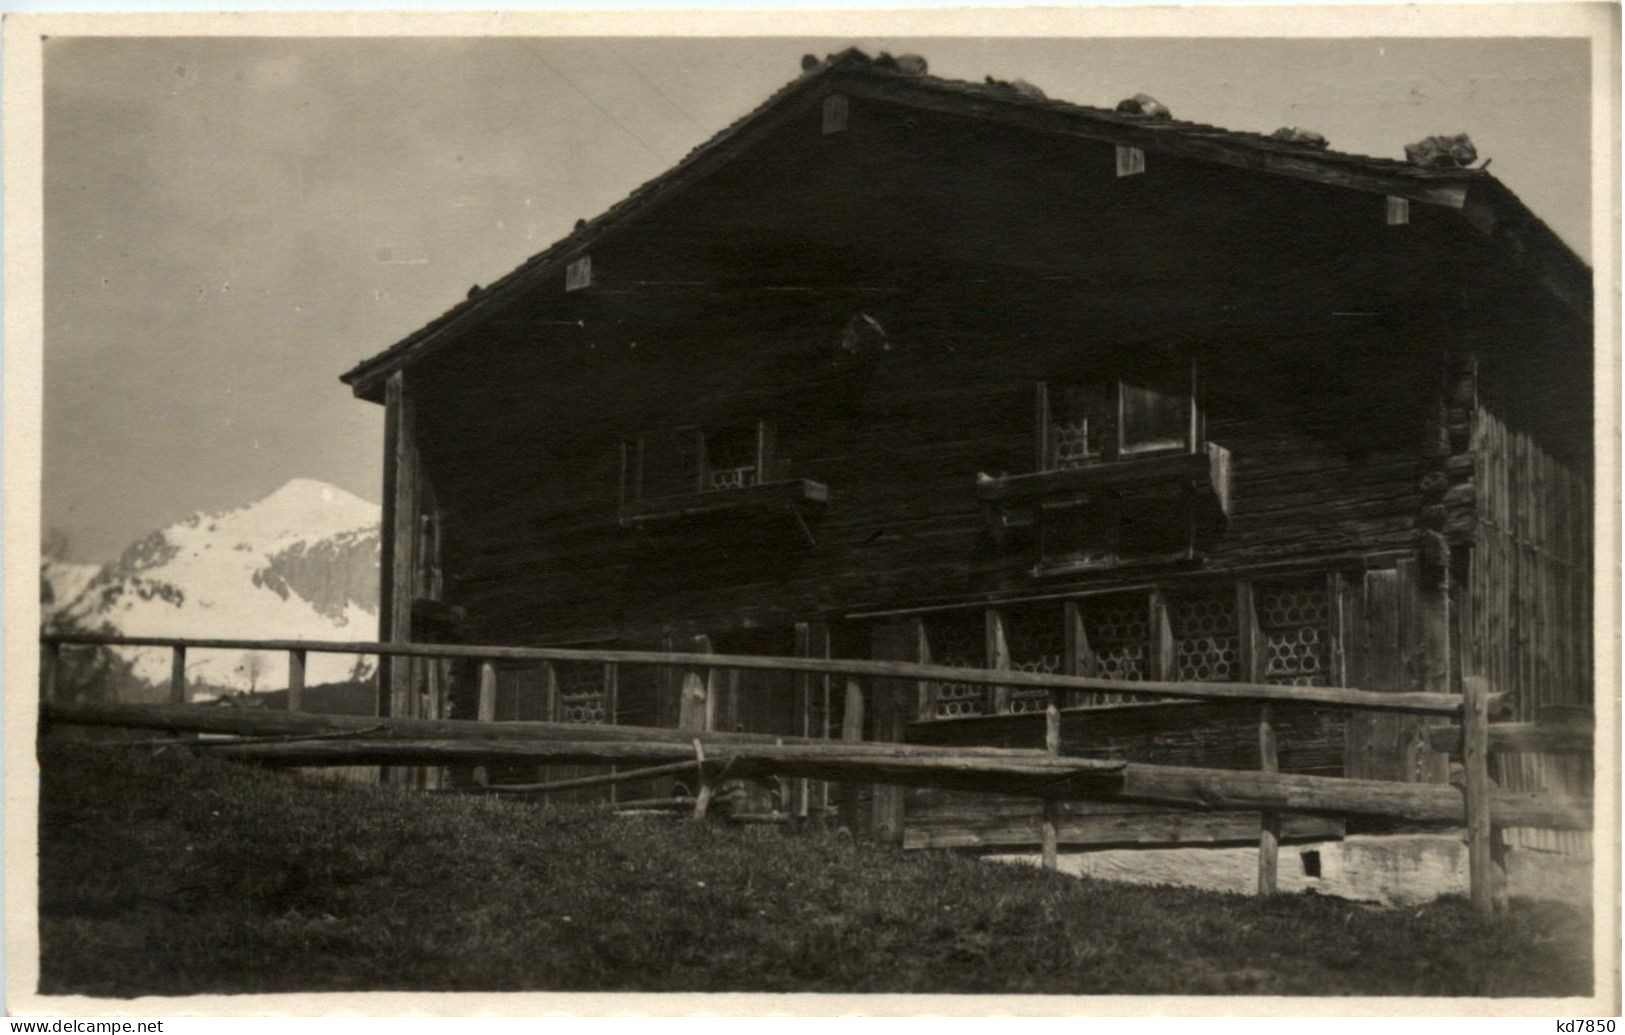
[582,696]
[960,640]
[1036,639]
[731,477]
[1071,443]
[1207,637]
[1295,621]
[1119,633]
[1082,417]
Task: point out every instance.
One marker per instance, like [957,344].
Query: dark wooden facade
[799,395]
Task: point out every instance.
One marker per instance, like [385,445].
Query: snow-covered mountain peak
[301,509]
[302,563]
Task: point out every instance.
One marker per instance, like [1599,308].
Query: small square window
[1155,414]
[661,464]
[1144,411]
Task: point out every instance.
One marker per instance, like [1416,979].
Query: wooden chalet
[905,368]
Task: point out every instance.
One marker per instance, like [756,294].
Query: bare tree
[253,666]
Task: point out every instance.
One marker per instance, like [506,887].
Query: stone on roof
[1294,135]
[1144,104]
[1441,152]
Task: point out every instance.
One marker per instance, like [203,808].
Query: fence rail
[1414,703]
[1043,774]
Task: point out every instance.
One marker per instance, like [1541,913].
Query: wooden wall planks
[1526,625]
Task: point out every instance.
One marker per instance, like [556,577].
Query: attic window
[835,109]
[661,464]
[1130,161]
[578,274]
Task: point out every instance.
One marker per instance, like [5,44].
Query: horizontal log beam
[1410,703]
[875,763]
[247,723]
[1520,736]
[1032,775]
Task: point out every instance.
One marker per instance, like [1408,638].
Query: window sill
[1056,567]
[1206,474]
[795,494]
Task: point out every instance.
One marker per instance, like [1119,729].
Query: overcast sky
[231,224]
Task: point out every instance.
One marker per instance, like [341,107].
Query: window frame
[1192,439]
[634,457]
[1160,643]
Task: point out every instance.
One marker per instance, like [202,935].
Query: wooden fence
[299,739]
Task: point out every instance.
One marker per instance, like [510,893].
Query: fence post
[1251,659]
[696,711]
[851,732]
[998,657]
[177,674]
[1475,717]
[1269,826]
[696,707]
[486,708]
[1052,744]
[296,679]
[50,670]
[702,797]
[812,695]
[486,711]
[612,705]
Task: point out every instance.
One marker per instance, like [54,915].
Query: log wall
[535,554]
[732,303]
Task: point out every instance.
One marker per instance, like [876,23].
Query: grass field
[168,876]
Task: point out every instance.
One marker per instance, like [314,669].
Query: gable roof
[1487,204]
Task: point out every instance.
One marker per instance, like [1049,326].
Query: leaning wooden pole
[1025,773]
[596,780]
[450,741]
[1475,754]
